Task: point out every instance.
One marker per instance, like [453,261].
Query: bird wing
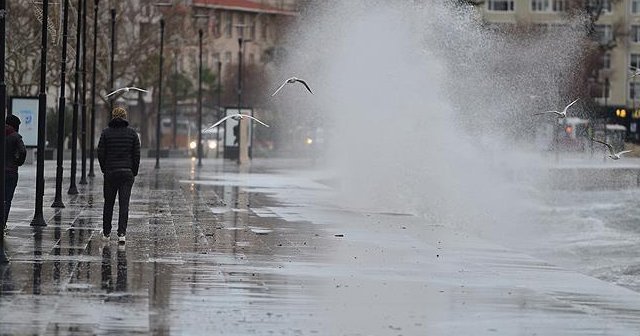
[305,84]
[280,88]
[547,112]
[217,123]
[624,152]
[606,144]
[114,92]
[256,119]
[139,89]
[573,102]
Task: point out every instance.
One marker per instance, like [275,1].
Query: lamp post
[93,88]
[158,119]
[174,115]
[83,99]
[219,112]
[3,106]
[38,218]
[57,203]
[199,145]
[73,190]
[240,124]
[112,55]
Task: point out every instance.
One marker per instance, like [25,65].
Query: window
[265,28]
[635,33]
[227,57]
[252,58]
[606,60]
[228,25]
[252,28]
[596,4]
[216,58]
[634,60]
[635,6]
[218,24]
[241,27]
[539,5]
[603,34]
[559,5]
[633,90]
[501,5]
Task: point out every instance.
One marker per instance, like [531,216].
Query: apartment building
[619,25]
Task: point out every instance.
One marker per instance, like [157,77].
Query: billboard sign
[26,108]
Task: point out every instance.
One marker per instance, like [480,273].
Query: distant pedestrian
[119,158]
[15,154]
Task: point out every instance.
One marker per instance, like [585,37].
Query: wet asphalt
[268,250]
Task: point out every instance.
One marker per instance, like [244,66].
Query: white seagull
[125,90]
[236,116]
[292,80]
[612,154]
[635,72]
[562,114]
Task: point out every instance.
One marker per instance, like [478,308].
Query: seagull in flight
[562,114]
[612,154]
[635,72]
[292,80]
[125,90]
[236,116]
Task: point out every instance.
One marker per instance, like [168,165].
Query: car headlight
[192,145]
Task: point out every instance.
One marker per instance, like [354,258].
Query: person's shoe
[121,239]
[105,237]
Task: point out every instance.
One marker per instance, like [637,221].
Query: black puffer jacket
[15,151]
[119,148]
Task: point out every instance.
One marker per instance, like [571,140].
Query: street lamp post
[3,106]
[158,119]
[112,55]
[57,203]
[174,115]
[73,189]
[83,99]
[240,124]
[199,145]
[219,112]
[38,218]
[93,88]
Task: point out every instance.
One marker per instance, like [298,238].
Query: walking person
[15,154]
[119,158]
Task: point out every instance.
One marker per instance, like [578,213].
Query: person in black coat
[119,158]
[15,154]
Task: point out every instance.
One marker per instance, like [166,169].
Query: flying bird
[125,90]
[236,116]
[635,72]
[562,114]
[292,80]
[612,154]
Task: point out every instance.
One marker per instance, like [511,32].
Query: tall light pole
[240,125]
[83,99]
[174,115]
[93,88]
[73,189]
[3,107]
[38,218]
[199,145]
[112,56]
[57,203]
[158,119]
[219,112]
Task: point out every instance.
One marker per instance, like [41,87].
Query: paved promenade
[267,250]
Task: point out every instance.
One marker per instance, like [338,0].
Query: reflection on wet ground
[270,251]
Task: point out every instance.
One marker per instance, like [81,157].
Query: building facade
[618,26]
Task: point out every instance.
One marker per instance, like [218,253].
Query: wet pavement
[269,250]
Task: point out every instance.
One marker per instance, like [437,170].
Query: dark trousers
[10,183]
[117,182]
